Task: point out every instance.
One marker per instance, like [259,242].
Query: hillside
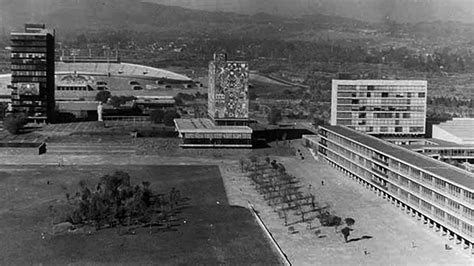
[368,10]
[70,17]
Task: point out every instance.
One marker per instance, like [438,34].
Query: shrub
[13,123]
[157,115]
[274,116]
[102,96]
[116,101]
[169,116]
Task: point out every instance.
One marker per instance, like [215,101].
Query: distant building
[228,100]
[458,130]
[203,133]
[228,109]
[32,66]
[380,107]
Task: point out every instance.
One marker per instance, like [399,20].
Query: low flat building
[440,194]
[80,109]
[202,133]
[458,130]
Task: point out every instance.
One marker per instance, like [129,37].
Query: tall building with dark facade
[228,100]
[32,67]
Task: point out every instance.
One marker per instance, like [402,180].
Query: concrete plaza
[387,234]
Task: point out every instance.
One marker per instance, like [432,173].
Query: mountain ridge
[402,11]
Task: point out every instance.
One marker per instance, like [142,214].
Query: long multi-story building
[32,66]
[228,97]
[440,194]
[380,107]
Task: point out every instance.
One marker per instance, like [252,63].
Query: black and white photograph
[237,132]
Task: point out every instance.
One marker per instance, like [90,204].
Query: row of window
[28,67]
[380,108]
[28,79]
[379,122]
[72,88]
[29,49]
[28,55]
[22,43]
[346,94]
[452,152]
[379,102]
[372,129]
[22,37]
[29,73]
[372,115]
[406,88]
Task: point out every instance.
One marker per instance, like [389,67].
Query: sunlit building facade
[439,194]
[380,107]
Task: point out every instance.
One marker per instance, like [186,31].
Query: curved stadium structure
[117,69]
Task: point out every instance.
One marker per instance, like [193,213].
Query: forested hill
[401,11]
[135,15]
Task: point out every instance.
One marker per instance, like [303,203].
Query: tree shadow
[360,238]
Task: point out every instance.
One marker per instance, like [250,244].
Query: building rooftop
[424,162]
[459,127]
[204,125]
[120,69]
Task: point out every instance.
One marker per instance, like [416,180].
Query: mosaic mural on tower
[228,89]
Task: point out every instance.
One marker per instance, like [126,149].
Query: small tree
[102,96]
[349,221]
[242,164]
[346,232]
[14,122]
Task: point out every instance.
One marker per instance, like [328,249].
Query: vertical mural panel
[228,89]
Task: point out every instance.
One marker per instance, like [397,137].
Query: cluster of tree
[283,192]
[164,116]
[14,122]
[450,101]
[103,96]
[181,98]
[117,101]
[114,201]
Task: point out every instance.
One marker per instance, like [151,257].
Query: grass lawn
[213,233]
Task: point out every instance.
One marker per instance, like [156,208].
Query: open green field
[214,232]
